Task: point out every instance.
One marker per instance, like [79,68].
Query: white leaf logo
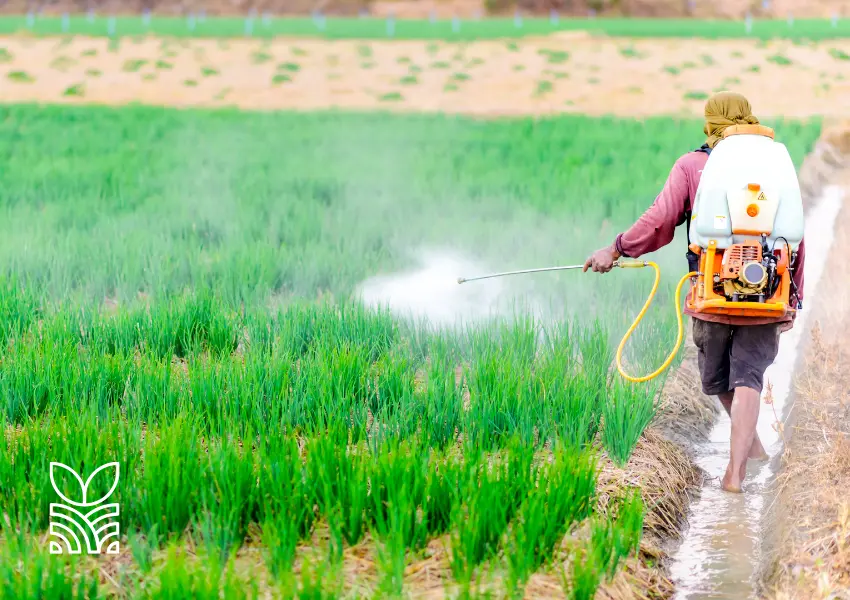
[68,522]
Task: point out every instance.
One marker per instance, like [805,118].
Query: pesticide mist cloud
[431,291]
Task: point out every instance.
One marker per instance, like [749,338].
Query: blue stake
[110,27]
[90,15]
[249,27]
[432,16]
[553,17]
[834,20]
[30,20]
[66,22]
[190,22]
[748,24]
[146,18]
[455,25]
[390,25]
[517,19]
[267,18]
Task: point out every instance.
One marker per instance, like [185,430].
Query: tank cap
[753,187]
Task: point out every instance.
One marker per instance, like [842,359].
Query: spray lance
[622,265]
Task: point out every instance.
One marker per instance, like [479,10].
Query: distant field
[577,74]
[467,29]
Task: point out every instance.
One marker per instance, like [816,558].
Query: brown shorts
[732,356]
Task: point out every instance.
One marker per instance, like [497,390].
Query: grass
[490,28]
[133,65]
[78,90]
[780,60]
[543,87]
[554,57]
[20,77]
[306,419]
[260,57]
[630,52]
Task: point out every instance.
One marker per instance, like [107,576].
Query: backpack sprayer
[747,201]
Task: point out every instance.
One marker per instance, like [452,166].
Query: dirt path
[573,73]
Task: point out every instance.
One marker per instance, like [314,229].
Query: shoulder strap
[704,148]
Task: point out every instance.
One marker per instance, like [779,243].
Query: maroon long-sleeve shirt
[657,226]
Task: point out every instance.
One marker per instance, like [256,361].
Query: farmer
[734,352]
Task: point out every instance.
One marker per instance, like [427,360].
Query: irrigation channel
[720,552]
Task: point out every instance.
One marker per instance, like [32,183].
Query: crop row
[176,481]
[313,367]
[468,27]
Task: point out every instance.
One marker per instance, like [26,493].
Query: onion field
[178,294]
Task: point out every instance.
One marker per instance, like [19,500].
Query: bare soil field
[566,73]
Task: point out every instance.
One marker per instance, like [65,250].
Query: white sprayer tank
[748,188]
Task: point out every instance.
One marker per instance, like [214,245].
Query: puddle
[719,554]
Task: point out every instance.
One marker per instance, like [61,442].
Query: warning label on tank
[761,196]
[720,222]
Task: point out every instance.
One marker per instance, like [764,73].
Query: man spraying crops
[733,351]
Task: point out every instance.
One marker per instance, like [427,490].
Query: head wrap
[723,110]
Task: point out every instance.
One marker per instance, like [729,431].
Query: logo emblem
[84,522]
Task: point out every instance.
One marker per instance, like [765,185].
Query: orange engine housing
[736,256]
[716,265]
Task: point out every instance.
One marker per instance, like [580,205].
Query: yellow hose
[678,308]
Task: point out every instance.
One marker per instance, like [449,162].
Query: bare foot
[757,451]
[730,482]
